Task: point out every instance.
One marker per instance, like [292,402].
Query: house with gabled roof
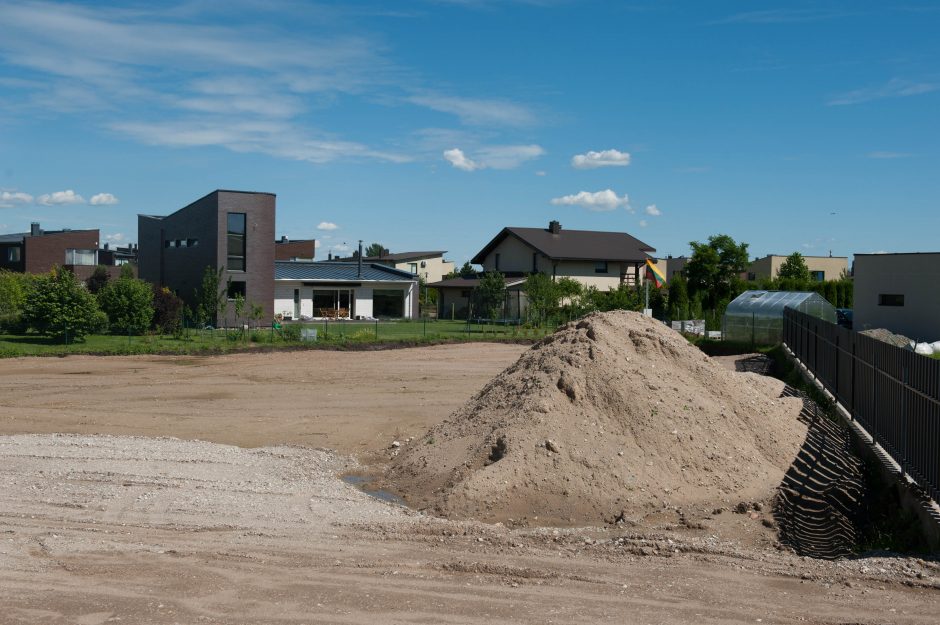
[604,260]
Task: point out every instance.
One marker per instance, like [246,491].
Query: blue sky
[431,124]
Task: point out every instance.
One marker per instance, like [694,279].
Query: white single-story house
[343,290]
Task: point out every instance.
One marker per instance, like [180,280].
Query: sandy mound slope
[612,415]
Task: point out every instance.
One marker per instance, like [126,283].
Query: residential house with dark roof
[343,290]
[594,258]
[429,266]
[297,249]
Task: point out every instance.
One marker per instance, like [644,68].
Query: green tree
[127,271]
[466,271]
[128,303]
[491,294]
[58,305]
[794,268]
[13,289]
[542,295]
[678,298]
[99,278]
[209,298]
[375,249]
[714,269]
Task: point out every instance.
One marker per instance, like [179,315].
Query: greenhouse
[756,317]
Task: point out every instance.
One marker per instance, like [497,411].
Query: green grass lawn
[334,334]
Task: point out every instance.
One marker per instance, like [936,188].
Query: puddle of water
[360,482]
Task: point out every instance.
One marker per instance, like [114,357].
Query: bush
[13,290]
[167,310]
[290,332]
[58,305]
[128,303]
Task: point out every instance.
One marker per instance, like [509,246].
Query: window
[890,299]
[81,257]
[497,262]
[13,254]
[413,268]
[192,242]
[236,241]
[818,276]
[236,288]
[751,276]
[600,266]
[535,262]
[168,244]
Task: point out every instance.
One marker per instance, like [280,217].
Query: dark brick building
[285,249]
[38,250]
[233,230]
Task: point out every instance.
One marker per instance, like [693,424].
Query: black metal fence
[892,392]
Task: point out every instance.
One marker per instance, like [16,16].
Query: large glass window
[236,242]
[13,254]
[388,303]
[236,288]
[80,257]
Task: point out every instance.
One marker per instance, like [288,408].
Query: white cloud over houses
[103,199]
[604,158]
[9,199]
[606,200]
[493,157]
[60,198]
[115,238]
[643,223]
[327,226]
[653,211]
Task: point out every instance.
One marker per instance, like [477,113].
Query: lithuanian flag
[654,274]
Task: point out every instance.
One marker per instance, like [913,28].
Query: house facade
[821,268]
[898,292]
[604,260]
[231,231]
[429,266]
[343,290]
[671,266]
[38,251]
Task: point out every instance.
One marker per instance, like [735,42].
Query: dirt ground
[136,528]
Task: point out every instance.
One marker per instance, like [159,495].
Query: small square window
[600,266]
[192,242]
[13,254]
[891,299]
[236,288]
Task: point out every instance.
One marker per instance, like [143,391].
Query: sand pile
[613,415]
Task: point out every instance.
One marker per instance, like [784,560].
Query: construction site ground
[209,490]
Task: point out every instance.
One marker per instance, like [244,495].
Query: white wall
[284,297]
[364,301]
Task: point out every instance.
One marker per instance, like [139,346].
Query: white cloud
[9,199]
[653,211]
[103,199]
[540,173]
[327,225]
[604,158]
[478,112]
[493,157]
[643,223]
[605,200]
[115,238]
[880,154]
[60,198]
[341,248]
[894,88]
[458,159]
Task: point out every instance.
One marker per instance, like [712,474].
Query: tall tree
[375,249]
[794,268]
[492,293]
[58,305]
[715,268]
[209,297]
[678,298]
[98,279]
[128,302]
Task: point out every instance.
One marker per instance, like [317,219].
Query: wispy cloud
[103,199]
[59,198]
[478,112]
[894,88]
[653,211]
[493,157]
[603,158]
[599,201]
[881,154]
[781,16]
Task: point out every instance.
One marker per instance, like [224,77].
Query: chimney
[554,227]
[284,238]
[329,256]
[35,230]
[105,246]
[359,270]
